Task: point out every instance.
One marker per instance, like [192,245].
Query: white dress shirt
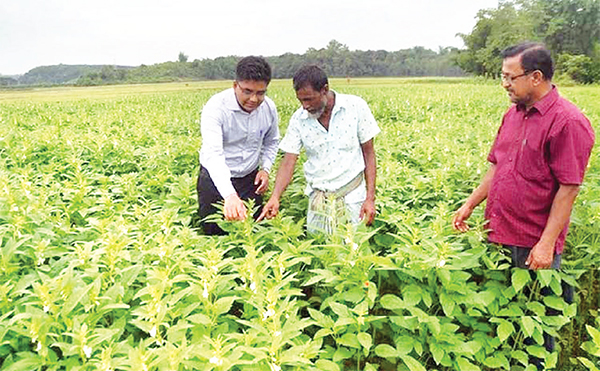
[334,157]
[235,142]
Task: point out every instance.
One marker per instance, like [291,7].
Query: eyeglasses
[510,79]
[249,92]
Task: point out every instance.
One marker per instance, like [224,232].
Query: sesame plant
[102,266]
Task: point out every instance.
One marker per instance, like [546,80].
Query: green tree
[182,57]
[565,26]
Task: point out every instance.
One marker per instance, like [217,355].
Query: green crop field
[102,268]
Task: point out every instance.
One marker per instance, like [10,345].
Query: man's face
[315,102]
[516,82]
[250,93]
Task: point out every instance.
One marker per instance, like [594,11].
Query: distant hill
[60,74]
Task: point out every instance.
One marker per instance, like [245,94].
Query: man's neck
[539,94]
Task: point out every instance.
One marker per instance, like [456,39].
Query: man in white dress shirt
[337,132]
[240,134]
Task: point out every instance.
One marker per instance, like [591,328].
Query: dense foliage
[336,58]
[102,269]
[570,29]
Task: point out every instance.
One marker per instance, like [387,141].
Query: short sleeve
[570,150]
[292,141]
[492,155]
[367,125]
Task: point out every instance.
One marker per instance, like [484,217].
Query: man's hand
[270,210]
[234,208]
[367,211]
[460,217]
[262,181]
[541,256]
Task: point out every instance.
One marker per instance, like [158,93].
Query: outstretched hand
[262,181]
[234,208]
[270,210]
[460,218]
[367,212]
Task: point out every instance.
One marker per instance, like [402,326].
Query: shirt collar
[544,104]
[231,101]
[340,103]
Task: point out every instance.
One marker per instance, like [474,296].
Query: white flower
[270,312]
[478,171]
[354,246]
[216,361]
[275,367]
[277,333]
[441,263]
[205,293]
[253,286]
[39,347]
[153,331]
[87,351]
[46,308]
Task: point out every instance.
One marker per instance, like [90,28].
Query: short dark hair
[534,56]
[254,69]
[310,75]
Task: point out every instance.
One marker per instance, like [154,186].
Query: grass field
[102,267]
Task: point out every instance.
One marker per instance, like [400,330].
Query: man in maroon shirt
[538,161]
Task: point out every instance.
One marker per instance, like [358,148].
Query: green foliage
[570,29]
[580,68]
[101,267]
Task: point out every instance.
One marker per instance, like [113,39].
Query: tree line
[569,28]
[335,58]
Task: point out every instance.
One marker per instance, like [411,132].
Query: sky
[133,32]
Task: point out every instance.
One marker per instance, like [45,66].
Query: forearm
[370,168]
[481,192]
[559,213]
[284,174]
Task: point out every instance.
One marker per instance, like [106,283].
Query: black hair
[534,57]
[253,69]
[310,75]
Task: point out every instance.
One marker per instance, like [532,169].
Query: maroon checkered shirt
[535,151]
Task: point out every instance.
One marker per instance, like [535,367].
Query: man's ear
[538,77]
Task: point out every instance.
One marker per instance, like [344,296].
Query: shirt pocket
[531,163]
[347,141]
